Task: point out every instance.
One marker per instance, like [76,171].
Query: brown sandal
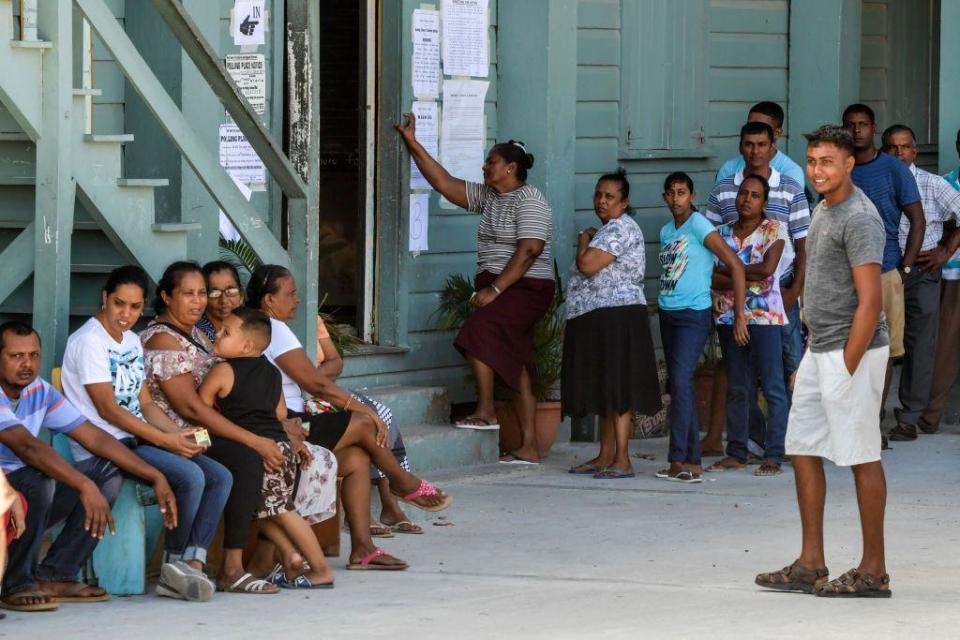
[727,464]
[796,577]
[854,584]
[768,468]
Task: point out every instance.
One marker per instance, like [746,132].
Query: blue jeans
[202,487]
[49,504]
[761,357]
[683,334]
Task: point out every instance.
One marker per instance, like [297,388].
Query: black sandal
[903,433]
[854,584]
[796,577]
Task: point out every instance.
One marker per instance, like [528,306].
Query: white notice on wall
[249,71]
[419,221]
[426,54]
[238,158]
[428,127]
[249,22]
[466,45]
[463,133]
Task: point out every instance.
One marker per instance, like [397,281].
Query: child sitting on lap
[247,390]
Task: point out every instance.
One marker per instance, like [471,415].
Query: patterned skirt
[311,492]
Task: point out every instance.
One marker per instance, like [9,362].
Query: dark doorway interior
[342,158]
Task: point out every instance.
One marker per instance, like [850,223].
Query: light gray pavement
[538,553]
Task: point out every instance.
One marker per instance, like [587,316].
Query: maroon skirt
[500,335]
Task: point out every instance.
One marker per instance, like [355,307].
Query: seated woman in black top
[247,389]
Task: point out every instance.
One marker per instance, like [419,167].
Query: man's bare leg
[811,495]
[872,500]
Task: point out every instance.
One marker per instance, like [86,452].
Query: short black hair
[129,274]
[217,266]
[831,134]
[516,152]
[958,136]
[256,325]
[678,176]
[769,109]
[264,281]
[620,177]
[763,182]
[898,128]
[17,328]
[754,128]
[858,107]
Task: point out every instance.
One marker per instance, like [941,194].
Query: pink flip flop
[427,490]
[366,563]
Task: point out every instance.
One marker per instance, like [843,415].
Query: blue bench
[119,563]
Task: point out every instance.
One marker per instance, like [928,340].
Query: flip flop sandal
[480,424]
[718,466]
[515,459]
[614,474]
[768,469]
[663,473]
[303,582]
[248,584]
[189,585]
[50,605]
[687,477]
[77,587]
[854,584]
[366,563]
[427,490]
[796,577]
[585,469]
[405,526]
[380,530]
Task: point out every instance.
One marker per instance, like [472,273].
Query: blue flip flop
[303,582]
[613,474]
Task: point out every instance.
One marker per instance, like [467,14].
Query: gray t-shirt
[841,237]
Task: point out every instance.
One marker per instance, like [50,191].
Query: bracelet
[495,288]
[349,402]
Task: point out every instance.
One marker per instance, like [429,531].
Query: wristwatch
[907,269]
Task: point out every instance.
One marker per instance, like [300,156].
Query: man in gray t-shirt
[839,385]
[847,234]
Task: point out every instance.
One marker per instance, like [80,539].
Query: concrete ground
[538,553]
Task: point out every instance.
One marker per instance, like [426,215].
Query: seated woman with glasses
[223,296]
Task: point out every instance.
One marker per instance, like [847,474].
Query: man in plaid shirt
[941,206]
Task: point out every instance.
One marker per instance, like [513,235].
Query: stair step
[88,92]
[31,44]
[78,225]
[434,447]
[122,138]
[143,182]
[413,405]
[17,181]
[92,268]
[17,136]
[175,227]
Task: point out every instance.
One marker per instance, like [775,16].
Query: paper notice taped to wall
[249,71]
[238,158]
[463,134]
[426,54]
[249,22]
[428,129]
[466,43]
[419,221]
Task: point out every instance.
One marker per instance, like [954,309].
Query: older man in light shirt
[941,206]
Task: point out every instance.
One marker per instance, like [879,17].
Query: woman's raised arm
[453,189]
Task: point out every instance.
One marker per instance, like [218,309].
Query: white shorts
[835,415]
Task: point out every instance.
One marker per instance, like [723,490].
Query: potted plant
[453,310]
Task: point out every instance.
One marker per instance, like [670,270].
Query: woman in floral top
[759,242]
[609,368]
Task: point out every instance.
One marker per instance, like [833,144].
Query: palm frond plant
[244,258]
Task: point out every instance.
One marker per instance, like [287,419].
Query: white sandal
[248,584]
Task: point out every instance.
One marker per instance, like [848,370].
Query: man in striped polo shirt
[787,204]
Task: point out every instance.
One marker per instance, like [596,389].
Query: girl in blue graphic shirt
[688,244]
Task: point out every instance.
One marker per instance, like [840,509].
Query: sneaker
[180,580]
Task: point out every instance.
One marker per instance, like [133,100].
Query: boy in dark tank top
[247,389]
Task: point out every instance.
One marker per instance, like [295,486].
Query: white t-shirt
[283,340]
[93,356]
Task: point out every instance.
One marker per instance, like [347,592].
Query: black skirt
[326,429]
[609,364]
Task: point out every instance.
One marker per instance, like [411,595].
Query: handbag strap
[185,336]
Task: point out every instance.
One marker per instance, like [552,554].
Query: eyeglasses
[214,294]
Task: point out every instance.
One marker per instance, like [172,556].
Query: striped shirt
[787,204]
[506,218]
[951,270]
[941,203]
[40,405]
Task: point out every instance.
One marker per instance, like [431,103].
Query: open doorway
[347,114]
